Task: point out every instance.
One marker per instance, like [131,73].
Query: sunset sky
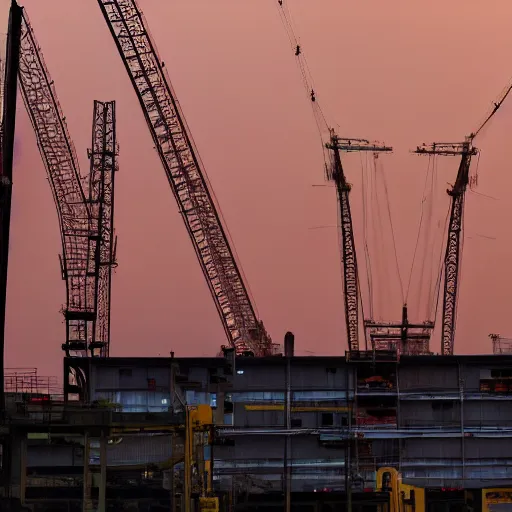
[399,71]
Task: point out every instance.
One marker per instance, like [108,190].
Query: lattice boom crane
[62,168]
[350,275]
[452,255]
[452,259]
[186,176]
[85,224]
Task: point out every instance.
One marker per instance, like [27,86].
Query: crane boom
[103,157]
[348,248]
[349,260]
[86,226]
[59,157]
[186,176]
[453,253]
[452,256]
[452,259]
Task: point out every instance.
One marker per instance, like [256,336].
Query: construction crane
[452,258]
[102,240]
[187,178]
[350,276]
[82,257]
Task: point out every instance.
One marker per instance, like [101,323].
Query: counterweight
[102,242]
[61,164]
[186,176]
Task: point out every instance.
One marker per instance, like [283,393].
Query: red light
[39,399]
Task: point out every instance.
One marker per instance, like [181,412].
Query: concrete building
[314,425]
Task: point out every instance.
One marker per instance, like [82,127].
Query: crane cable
[368,262]
[393,238]
[497,104]
[307,78]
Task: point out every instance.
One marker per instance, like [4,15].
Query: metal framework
[350,276]
[59,157]
[186,176]
[102,242]
[453,244]
[86,225]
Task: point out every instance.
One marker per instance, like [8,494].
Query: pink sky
[394,71]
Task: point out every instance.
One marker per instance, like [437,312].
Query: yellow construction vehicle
[403,497]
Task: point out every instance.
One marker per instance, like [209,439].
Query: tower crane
[187,178]
[82,234]
[452,258]
[350,276]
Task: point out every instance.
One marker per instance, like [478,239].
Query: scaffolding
[26,381]
[501,345]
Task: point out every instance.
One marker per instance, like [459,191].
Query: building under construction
[366,431]
[393,428]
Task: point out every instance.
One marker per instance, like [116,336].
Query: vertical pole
[23,468]
[7,156]
[102,505]
[462,439]
[348,483]
[171,474]
[86,502]
[188,458]
[288,352]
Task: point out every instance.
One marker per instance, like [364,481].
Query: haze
[403,72]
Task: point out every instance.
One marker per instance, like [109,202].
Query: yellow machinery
[403,497]
[495,496]
[199,423]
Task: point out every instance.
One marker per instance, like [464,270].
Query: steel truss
[186,176]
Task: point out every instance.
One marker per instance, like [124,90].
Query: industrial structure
[187,178]
[318,431]
[390,427]
[86,223]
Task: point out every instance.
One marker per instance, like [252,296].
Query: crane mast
[452,256]
[186,176]
[102,242]
[350,276]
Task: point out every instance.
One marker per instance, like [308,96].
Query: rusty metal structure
[187,178]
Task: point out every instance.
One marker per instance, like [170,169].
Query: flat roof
[327,361]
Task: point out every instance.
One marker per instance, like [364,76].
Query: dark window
[330,370]
[327,419]
[125,372]
[296,423]
[152,384]
[504,373]
[442,406]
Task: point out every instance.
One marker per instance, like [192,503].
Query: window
[213,400]
[296,423]
[125,372]
[327,419]
[442,406]
[141,401]
[258,396]
[305,396]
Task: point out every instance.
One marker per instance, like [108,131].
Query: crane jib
[186,177]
